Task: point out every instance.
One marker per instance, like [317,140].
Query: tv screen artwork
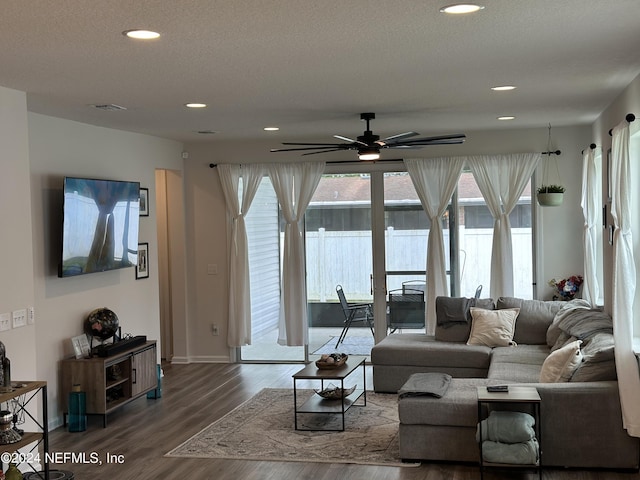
[100,228]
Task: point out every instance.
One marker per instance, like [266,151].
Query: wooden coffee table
[318,405]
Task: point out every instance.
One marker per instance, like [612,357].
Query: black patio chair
[353,313]
[406,309]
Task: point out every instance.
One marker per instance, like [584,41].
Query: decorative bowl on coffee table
[333,360]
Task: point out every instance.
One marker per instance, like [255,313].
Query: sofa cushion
[561,364]
[458,407]
[521,363]
[599,361]
[533,320]
[507,372]
[520,354]
[493,328]
[416,349]
[453,317]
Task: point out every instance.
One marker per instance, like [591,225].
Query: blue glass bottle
[77,410]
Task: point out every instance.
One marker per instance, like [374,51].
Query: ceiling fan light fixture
[369,153]
[461,8]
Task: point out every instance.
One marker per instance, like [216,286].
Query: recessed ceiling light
[503,88]
[271,129]
[140,34]
[460,8]
[507,117]
[195,105]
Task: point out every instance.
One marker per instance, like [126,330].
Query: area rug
[354,345]
[262,428]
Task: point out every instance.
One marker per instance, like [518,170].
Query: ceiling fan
[368,145]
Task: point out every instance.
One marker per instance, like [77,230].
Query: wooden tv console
[110,382]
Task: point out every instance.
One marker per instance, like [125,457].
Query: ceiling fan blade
[441,139]
[426,144]
[397,137]
[347,139]
[311,144]
[406,147]
[323,151]
[327,148]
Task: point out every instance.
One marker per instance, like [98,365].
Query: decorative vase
[13,473]
[550,199]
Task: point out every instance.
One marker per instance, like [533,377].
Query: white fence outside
[345,258]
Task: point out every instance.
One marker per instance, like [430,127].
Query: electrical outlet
[19,318]
[214,329]
[31,315]
[5,322]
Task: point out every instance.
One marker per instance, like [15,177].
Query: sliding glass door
[367,232]
[339,253]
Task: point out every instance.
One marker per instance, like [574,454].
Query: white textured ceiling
[310,67]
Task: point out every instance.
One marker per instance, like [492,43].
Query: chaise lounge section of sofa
[581,420]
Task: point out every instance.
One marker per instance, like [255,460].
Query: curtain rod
[556,152]
[354,162]
[630,117]
[591,146]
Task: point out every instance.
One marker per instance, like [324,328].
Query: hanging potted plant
[550,195]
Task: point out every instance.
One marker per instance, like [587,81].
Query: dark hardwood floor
[195,395]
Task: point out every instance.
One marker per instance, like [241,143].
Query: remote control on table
[498,388]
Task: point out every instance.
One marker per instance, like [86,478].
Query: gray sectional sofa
[581,421]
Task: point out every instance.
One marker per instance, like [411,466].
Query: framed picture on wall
[142,269]
[144,202]
[81,347]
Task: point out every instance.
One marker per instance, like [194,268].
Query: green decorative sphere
[101,323]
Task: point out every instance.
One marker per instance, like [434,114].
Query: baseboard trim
[200,359]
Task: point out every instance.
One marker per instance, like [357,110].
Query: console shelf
[29,391]
[110,382]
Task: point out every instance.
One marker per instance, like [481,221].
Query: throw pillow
[533,320]
[452,310]
[493,328]
[599,360]
[453,317]
[560,365]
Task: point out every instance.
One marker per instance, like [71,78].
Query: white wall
[60,147]
[16,264]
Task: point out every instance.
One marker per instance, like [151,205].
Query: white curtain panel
[591,198]
[239,322]
[502,179]
[435,180]
[624,280]
[294,184]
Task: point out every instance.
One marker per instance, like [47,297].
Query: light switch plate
[19,318]
[5,322]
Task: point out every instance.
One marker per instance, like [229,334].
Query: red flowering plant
[567,288]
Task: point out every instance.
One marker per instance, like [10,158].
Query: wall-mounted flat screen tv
[100,225]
